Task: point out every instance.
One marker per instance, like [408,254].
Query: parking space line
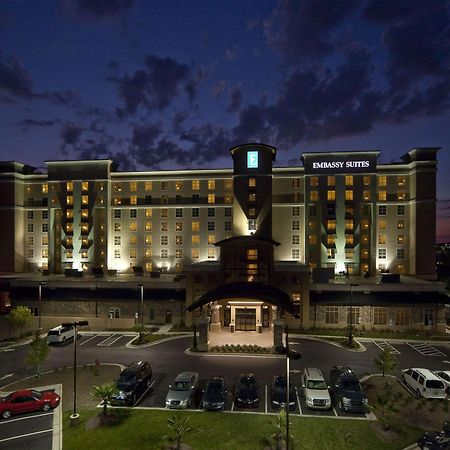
[335,412]
[102,343]
[384,344]
[26,435]
[115,340]
[232,405]
[87,340]
[25,418]
[425,349]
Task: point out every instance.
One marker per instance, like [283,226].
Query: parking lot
[156,395]
[90,339]
[39,430]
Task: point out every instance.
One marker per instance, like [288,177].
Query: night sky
[175,84]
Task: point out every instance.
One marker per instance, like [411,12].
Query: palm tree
[179,428]
[104,393]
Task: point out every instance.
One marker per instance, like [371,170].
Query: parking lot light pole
[141,288]
[74,417]
[290,354]
[350,331]
[41,283]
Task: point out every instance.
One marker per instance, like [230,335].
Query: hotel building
[337,239]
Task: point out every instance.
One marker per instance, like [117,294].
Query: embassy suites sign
[334,163]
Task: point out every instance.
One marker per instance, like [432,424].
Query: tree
[104,393]
[386,361]
[280,436]
[39,351]
[179,428]
[20,317]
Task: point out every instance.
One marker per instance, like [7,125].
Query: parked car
[444,375]
[424,383]
[315,389]
[346,390]
[28,400]
[278,393]
[214,395]
[436,440]
[132,383]
[247,392]
[60,334]
[182,392]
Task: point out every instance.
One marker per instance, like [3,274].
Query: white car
[60,334]
[424,383]
[444,375]
[315,389]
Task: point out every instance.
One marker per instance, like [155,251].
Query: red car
[28,400]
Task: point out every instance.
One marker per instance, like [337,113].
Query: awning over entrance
[256,291]
[334,298]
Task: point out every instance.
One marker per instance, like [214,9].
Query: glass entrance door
[245,319]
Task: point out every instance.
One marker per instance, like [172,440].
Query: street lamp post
[74,417]
[350,331]
[41,283]
[290,354]
[141,288]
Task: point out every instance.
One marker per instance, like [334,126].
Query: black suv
[346,390]
[247,395]
[133,381]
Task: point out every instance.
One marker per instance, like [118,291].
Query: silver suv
[182,391]
[315,389]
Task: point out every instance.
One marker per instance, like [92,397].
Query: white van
[60,334]
[424,383]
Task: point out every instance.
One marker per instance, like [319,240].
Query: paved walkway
[264,339]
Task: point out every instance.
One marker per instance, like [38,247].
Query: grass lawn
[138,429]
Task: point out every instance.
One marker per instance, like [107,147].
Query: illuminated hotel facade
[243,246]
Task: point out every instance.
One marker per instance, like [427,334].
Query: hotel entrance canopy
[255,291]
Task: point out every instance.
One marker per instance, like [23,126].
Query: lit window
[228,184]
[178,253]
[195,185]
[331,180]
[211,184]
[69,227]
[133,200]
[400,224]
[195,253]
[211,253]
[148,226]
[349,180]
[85,186]
[117,226]
[69,186]
[331,253]
[45,188]
[331,195]
[84,199]
[133,253]
[148,186]
[349,224]
[84,254]
[251,224]
[382,224]
[195,226]
[164,226]
[401,181]
[252,212]
[44,239]
[314,181]
[331,239]
[69,241]
[69,254]
[69,200]
[69,213]
[211,198]
[349,239]
[164,212]
[331,224]
[133,186]
[382,239]
[252,197]
[314,196]
[179,226]
[366,195]
[148,252]
[252,254]
[366,180]
[348,194]
[133,239]
[401,195]
[400,238]
[133,226]
[178,185]
[382,181]
[195,239]
[228,199]
[84,213]
[148,239]
[179,240]
[252,182]
[349,253]
[211,238]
